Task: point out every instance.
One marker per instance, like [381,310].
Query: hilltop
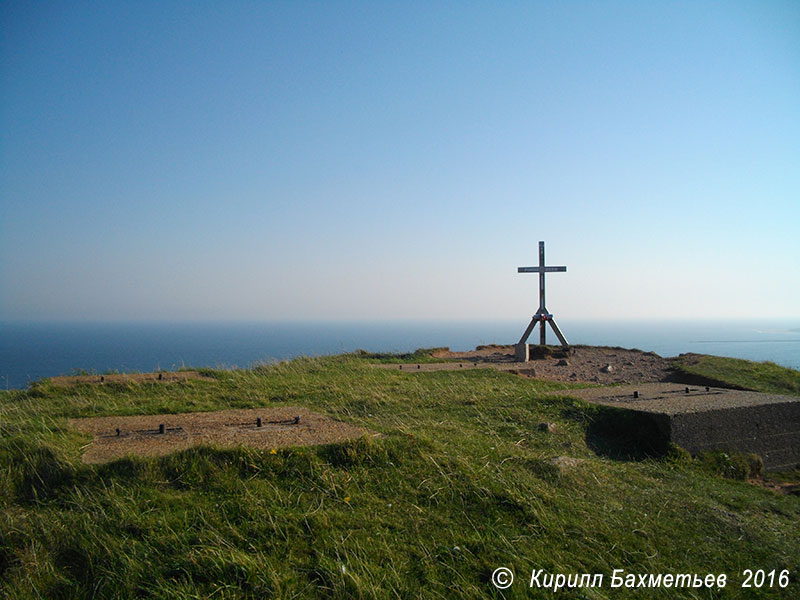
[473,469]
[579,364]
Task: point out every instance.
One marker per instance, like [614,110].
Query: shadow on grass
[680,375]
[621,434]
[38,471]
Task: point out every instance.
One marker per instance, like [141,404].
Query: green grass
[421,355]
[460,483]
[734,372]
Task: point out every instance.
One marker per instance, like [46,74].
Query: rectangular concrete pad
[117,437]
[713,419]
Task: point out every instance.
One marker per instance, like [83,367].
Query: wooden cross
[542,316]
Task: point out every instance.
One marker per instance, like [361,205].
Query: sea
[32,350]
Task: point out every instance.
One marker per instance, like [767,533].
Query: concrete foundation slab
[701,418]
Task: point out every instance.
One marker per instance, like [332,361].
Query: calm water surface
[29,351]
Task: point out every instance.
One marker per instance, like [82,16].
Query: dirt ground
[581,363]
[160,377]
[115,437]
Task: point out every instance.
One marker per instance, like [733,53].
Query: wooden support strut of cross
[542,316]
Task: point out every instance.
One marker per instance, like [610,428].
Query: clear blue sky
[270,160]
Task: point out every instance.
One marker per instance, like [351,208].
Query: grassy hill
[462,481]
[738,374]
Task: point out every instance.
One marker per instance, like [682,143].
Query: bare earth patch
[779,487]
[160,377]
[280,427]
[591,364]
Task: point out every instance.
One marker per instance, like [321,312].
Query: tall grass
[460,483]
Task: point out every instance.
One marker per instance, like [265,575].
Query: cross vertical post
[542,330]
[542,317]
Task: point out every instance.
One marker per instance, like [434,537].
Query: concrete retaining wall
[770,430]
[713,418]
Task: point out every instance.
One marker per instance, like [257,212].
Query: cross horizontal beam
[542,316]
[541,269]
